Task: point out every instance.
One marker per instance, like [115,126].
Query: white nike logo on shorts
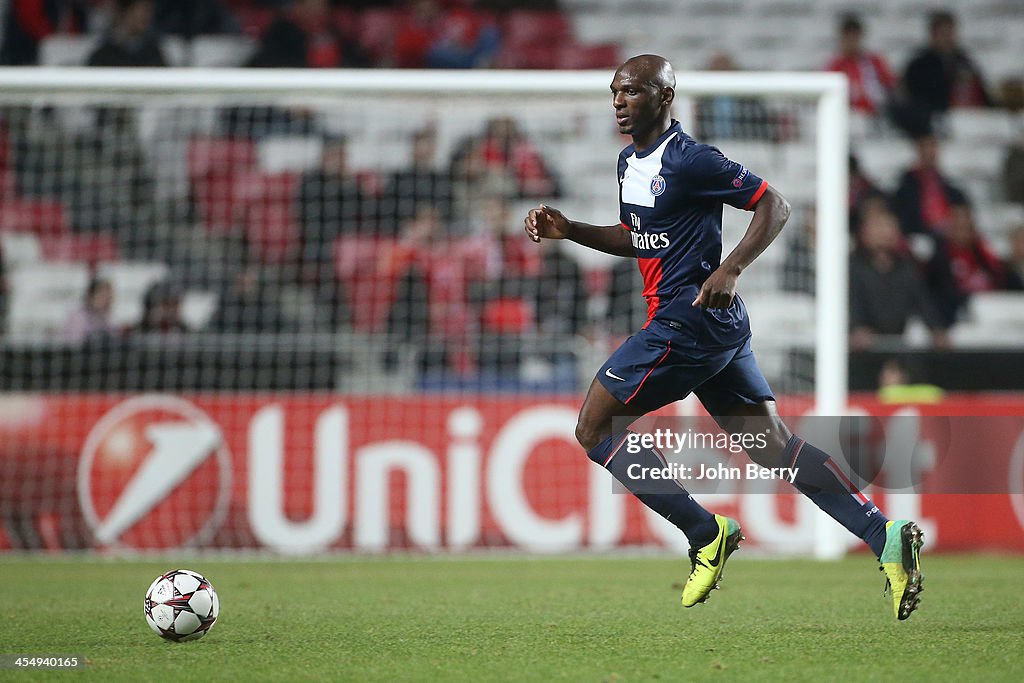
[609,373]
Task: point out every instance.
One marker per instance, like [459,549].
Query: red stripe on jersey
[757,195]
[838,474]
[668,347]
[616,449]
[650,268]
[624,226]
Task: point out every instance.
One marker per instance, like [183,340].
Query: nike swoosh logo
[609,373]
[717,559]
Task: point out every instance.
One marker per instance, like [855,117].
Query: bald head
[652,69]
[642,93]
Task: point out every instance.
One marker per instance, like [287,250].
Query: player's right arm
[545,222]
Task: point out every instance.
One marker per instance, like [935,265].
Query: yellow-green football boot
[901,562]
[707,563]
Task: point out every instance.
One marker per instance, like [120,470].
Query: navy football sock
[667,497]
[820,479]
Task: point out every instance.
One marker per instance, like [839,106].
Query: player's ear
[668,94]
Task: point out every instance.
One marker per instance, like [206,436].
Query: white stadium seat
[130,281]
[221,51]
[990,125]
[962,158]
[176,50]
[995,309]
[197,307]
[66,50]
[42,297]
[19,248]
[289,153]
[782,316]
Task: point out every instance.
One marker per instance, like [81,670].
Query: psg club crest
[657,186]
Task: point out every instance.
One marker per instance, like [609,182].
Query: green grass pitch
[500,618]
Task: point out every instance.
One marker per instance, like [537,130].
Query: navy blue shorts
[648,372]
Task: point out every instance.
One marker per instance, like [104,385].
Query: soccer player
[697,336]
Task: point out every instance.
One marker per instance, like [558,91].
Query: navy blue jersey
[670,199]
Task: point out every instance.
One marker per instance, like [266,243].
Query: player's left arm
[771,211]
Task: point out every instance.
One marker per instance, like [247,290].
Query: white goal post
[427,93]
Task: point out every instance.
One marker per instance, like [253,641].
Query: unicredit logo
[154,473]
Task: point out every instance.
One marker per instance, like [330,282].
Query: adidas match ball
[181,605]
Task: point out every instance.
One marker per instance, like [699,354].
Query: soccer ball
[181,605]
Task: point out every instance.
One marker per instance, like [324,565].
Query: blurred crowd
[454,34]
[918,250]
[432,254]
[918,253]
[941,75]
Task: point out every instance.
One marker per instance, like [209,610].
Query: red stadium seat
[364,269]
[513,56]
[507,315]
[267,202]
[213,164]
[378,27]
[41,217]
[254,20]
[595,56]
[526,27]
[346,20]
[80,248]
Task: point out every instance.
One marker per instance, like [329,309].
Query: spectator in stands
[305,35]
[416,34]
[3,291]
[248,305]
[626,307]
[1013,172]
[330,204]
[1015,263]
[418,184]
[191,18]
[161,310]
[728,117]
[502,161]
[466,39]
[871,81]
[798,267]
[861,189]
[91,321]
[406,266]
[27,22]
[958,263]
[561,295]
[131,40]
[508,5]
[940,76]
[925,196]
[454,37]
[973,263]
[499,273]
[886,289]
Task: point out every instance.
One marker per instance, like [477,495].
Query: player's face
[638,104]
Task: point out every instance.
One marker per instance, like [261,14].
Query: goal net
[297,311]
